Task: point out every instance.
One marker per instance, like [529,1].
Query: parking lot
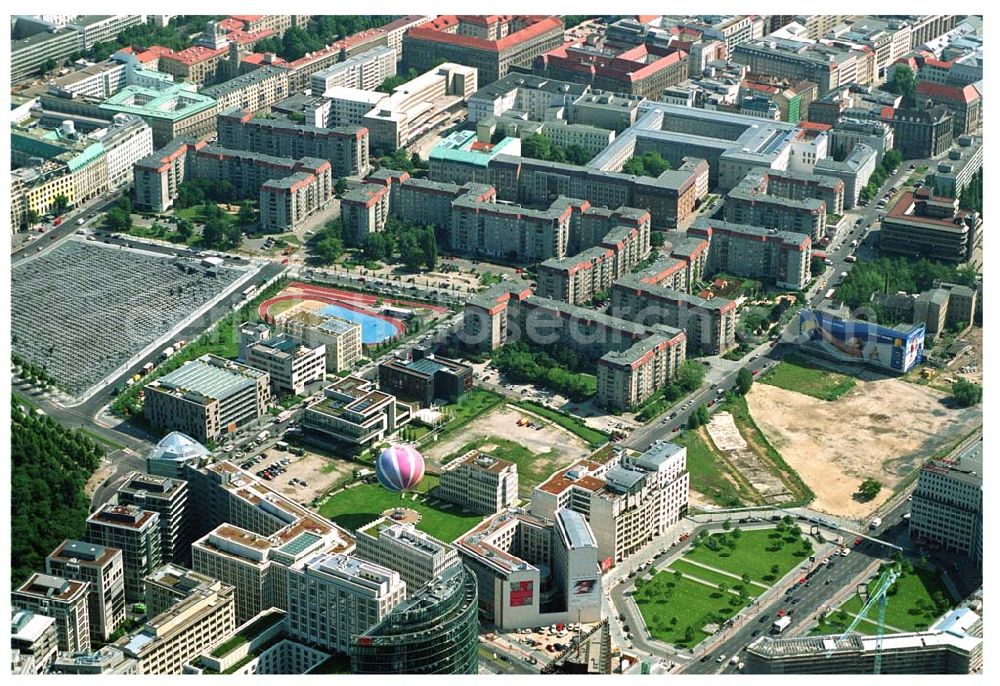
[300,477]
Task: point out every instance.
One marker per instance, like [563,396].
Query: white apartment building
[353,412]
[125,142]
[168,498]
[417,556]
[61,599]
[103,570]
[366,71]
[333,598]
[33,642]
[628,500]
[350,105]
[479,483]
[947,506]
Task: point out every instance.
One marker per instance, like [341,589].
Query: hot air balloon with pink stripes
[399,468]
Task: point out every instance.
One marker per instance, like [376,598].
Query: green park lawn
[690,602]
[691,569]
[911,608]
[796,374]
[750,555]
[355,507]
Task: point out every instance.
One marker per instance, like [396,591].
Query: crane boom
[879,596]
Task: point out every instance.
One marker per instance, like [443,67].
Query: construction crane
[880,596]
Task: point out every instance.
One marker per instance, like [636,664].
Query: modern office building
[366,71]
[33,642]
[249,536]
[30,54]
[953,173]
[848,132]
[169,584]
[854,170]
[105,660]
[207,397]
[434,631]
[345,147]
[63,600]
[353,413]
[628,500]
[479,482]
[533,571]
[947,507]
[334,598]
[173,453]
[425,377]
[418,557]
[415,107]
[103,569]
[490,44]
[173,111]
[136,533]
[196,624]
[348,106]
[464,156]
[342,338]
[801,59]
[168,497]
[925,225]
[780,257]
[945,648]
[290,365]
[254,91]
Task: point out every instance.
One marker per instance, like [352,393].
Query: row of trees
[318,33]
[971,197]
[890,275]
[176,35]
[50,466]
[31,372]
[328,243]
[199,191]
[650,163]
[119,217]
[891,160]
[401,160]
[555,367]
[217,232]
[540,147]
[689,378]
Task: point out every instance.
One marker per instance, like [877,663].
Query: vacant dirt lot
[502,423]
[882,429]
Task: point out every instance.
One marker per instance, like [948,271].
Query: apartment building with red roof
[635,71]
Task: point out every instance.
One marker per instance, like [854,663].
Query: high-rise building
[341,337]
[63,600]
[134,531]
[366,71]
[169,499]
[434,631]
[103,569]
[425,378]
[290,365]
[334,598]
[355,414]
[751,251]
[418,557]
[947,507]
[173,453]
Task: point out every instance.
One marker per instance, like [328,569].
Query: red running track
[346,299]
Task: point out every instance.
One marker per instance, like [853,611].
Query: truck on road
[781,624]
[875,523]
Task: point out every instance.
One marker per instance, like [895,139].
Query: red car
[858,541]
[676,429]
[781,613]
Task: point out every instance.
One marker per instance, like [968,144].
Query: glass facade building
[433,632]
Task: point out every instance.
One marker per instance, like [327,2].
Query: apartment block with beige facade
[188,628]
[342,338]
[418,557]
[134,531]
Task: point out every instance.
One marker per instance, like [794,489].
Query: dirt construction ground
[320,473]
[502,423]
[882,429]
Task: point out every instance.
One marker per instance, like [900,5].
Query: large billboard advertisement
[879,346]
[584,591]
[522,594]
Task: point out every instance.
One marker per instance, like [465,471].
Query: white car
[721,659]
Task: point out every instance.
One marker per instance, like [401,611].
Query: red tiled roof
[195,54]
[939,91]
[887,112]
[432,31]
[258,58]
[814,126]
[247,17]
[484,20]
[932,62]
[153,52]
[232,24]
[762,87]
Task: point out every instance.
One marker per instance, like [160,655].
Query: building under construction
[953,645]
